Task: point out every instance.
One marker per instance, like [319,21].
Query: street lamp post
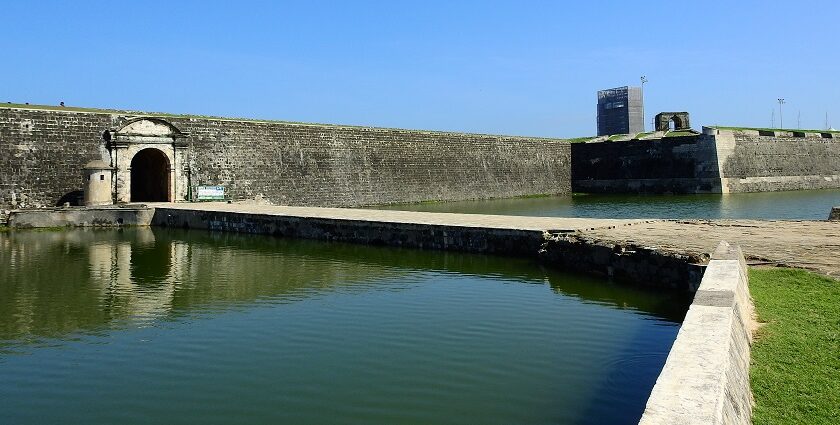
[644,80]
[781,102]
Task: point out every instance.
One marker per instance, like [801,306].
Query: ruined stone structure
[718,161]
[42,153]
[675,121]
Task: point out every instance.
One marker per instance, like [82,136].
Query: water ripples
[190,327]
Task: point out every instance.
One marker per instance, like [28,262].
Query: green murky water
[151,326]
[799,205]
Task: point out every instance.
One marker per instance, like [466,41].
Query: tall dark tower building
[621,111]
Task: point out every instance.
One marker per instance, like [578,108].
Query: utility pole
[799,120]
[781,122]
[643,80]
[772,118]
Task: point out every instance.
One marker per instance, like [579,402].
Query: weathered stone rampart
[668,165]
[764,161]
[717,161]
[42,153]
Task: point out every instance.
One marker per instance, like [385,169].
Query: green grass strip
[798,130]
[795,371]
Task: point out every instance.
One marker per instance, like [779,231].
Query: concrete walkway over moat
[813,245]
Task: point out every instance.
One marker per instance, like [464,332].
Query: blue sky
[524,68]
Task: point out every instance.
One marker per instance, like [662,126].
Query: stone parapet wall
[718,161]
[42,153]
[706,376]
[296,164]
[753,161]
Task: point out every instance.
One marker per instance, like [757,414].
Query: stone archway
[150,176]
[149,156]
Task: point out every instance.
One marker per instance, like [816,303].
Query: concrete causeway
[549,224]
[812,245]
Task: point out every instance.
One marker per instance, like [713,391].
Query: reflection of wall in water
[139,276]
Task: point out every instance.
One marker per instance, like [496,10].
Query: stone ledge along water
[653,252]
[504,235]
[706,377]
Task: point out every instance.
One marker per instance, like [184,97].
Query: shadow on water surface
[57,284]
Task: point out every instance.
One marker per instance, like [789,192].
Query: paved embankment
[668,250]
[812,245]
[464,232]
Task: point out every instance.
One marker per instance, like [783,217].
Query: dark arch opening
[674,123]
[150,176]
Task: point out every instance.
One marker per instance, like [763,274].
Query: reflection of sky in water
[798,205]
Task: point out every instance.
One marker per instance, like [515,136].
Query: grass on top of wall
[795,370]
[679,134]
[798,130]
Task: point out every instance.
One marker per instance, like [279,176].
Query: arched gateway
[150,176]
[149,157]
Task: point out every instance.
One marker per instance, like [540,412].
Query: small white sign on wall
[211,193]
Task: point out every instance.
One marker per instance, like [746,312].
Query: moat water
[152,326]
[798,205]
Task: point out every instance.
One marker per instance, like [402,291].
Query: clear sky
[523,68]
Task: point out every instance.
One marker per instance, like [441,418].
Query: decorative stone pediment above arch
[141,133]
[145,130]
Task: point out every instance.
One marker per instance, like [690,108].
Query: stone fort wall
[42,153]
[717,161]
[753,161]
[670,165]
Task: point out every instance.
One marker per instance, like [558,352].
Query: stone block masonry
[763,161]
[717,161]
[42,154]
[671,165]
[706,376]
[43,151]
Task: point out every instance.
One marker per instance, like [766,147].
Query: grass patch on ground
[795,370]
